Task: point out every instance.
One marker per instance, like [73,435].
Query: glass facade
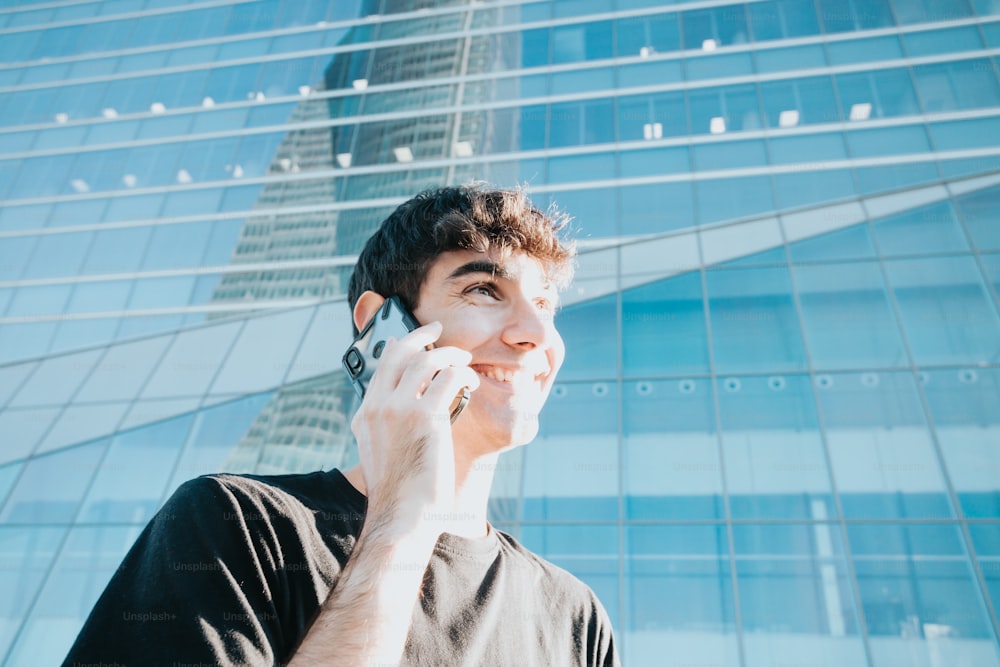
[775,438]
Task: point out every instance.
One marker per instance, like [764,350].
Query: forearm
[366,618]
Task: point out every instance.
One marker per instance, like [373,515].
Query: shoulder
[554,579]
[567,597]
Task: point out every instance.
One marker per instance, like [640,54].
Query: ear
[366,307]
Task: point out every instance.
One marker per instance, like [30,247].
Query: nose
[529,325]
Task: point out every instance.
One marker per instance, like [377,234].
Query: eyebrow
[495,269]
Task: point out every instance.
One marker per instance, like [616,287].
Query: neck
[473,479]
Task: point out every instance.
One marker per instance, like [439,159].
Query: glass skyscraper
[776,439]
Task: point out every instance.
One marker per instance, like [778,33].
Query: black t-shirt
[233,570]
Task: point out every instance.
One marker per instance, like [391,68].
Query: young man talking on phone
[391,562]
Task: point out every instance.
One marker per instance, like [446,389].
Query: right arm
[403,429]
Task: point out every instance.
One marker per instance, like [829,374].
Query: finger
[449,382]
[395,357]
[426,365]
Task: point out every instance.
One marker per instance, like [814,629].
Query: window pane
[981,213]
[774,460]
[665,566]
[926,230]
[847,316]
[754,325]
[963,404]
[130,483]
[589,332]
[85,564]
[26,554]
[880,447]
[663,328]
[579,423]
[912,588]
[51,486]
[671,454]
[946,312]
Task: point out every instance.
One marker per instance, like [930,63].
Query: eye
[486,289]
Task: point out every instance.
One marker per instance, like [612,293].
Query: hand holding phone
[392,320]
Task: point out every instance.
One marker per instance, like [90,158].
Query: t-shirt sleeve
[602,651]
[196,588]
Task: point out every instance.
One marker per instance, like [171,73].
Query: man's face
[501,311]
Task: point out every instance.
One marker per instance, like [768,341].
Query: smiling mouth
[507,375]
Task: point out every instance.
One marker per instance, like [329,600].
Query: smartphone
[362,357]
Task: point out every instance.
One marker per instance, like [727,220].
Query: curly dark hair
[397,257]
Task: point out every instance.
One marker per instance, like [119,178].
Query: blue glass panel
[723,25]
[919,11]
[701,629]
[130,483]
[579,422]
[177,246]
[730,198]
[888,93]
[649,209]
[27,554]
[865,50]
[116,250]
[161,292]
[647,73]
[8,475]
[948,316]
[971,133]
[41,300]
[661,33]
[586,41]
[23,341]
[56,379]
[113,131]
[925,230]
[789,58]
[847,316]
[966,84]
[671,456]
[962,403]
[719,110]
[980,212]
[572,168]
[133,207]
[31,216]
[51,486]
[595,212]
[589,332]
[880,447]
[191,361]
[932,42]
[718,66]
[918,598]
[801,102]
[636,112]
[275,337]
[875,180]
[754,325]
[728,155]
[772,448]
[781,19]
[23,429]
[663,328]
[77,334]
[85,564]
[214,437]
[44,177]
[195,202]
[888,141]
[813,187]
[14,254]
[535,47]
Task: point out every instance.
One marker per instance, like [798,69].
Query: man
[393,561]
